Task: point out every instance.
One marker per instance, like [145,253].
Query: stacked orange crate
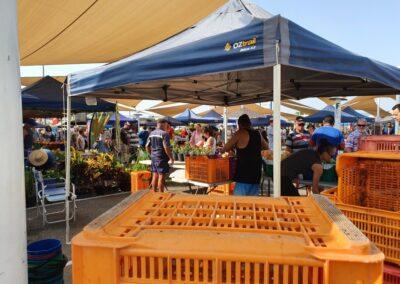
[369,195]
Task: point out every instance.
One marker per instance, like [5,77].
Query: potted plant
[181,154]
[175,149]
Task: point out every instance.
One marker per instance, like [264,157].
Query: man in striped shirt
[299,138]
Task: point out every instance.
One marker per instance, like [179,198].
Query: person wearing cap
[299,138]
[248,144]
[159,147]
[28,135]
[352,140]
[332,135]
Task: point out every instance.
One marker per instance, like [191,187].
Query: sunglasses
[361,125]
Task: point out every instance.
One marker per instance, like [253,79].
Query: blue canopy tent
[189,116]
[45,99]
[329,110]
[122,118]
[355,113]
[171,120]
[212,116]
[238,55]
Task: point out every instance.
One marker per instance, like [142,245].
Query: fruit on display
[269,155]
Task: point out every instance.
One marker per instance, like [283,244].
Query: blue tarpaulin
[212,116]
[227,59]
[188,116]
[329,110]
[45,97]
[355,113]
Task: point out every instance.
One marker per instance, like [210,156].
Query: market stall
[235,56]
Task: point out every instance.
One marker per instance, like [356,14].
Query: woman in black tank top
[249,161]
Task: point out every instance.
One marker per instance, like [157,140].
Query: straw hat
[38,157]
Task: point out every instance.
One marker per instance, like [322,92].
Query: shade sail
[188,116]
[303,109]
[367,104]
[27,81]
[98,31]
[172,110]
[329,110]
[45,98]
[355,113]
[227,59]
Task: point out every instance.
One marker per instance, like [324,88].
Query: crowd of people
[309,146]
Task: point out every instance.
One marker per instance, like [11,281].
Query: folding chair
[52,191]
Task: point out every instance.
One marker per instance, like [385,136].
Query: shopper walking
[159,147]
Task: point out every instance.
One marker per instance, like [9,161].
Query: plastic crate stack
[174,238]
[368,194]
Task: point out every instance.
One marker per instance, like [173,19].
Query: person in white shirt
[80,141]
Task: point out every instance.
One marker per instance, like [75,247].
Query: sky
[366,27]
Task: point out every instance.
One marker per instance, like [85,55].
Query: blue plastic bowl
[44,247]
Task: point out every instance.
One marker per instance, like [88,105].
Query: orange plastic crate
[140,180]
[224,189]
[171,238]
[380,143]
[369,180]
[331,194]
[391,274]
[208,170]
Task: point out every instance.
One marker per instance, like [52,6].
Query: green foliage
[142,155]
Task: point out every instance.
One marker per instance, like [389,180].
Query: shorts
[159,166]
[247,189]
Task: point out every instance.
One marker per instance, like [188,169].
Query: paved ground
[88,209]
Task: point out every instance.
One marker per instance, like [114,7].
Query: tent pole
[68,170]
[378,107]
[277,147]
[338,113]
[13,263]
[225,118]
[396,122]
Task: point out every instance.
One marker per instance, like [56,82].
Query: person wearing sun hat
[41,158]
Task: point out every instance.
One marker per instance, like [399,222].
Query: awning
[94,31]
[227,59]
[45,98]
